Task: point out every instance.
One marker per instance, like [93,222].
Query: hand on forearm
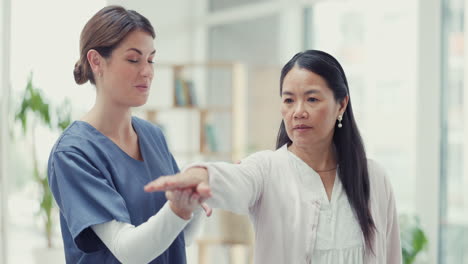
[183,202]
[195,178]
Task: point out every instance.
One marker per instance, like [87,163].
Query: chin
[301,142]
[138,103]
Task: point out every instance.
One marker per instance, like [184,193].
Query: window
[454,177]
[375,43]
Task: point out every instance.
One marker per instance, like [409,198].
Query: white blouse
[285,214]
[339,236]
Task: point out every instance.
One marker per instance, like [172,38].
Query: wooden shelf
[207,132]
[184,84]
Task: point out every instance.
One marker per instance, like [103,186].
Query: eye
[288,100]
[312,99]
[151,61]
[133,61]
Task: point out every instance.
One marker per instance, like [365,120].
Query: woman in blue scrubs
[98,167]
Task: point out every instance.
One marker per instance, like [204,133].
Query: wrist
[199,172]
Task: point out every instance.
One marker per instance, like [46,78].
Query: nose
[147,71]
[300,111]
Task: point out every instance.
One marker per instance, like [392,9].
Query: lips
[142,88]
[302,126]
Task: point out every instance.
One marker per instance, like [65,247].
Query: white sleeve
[192,229]
[237,187]
[141,244]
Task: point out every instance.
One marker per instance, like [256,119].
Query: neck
[111,120]
[319,157]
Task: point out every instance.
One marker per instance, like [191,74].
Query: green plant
[35,110]
[413,238]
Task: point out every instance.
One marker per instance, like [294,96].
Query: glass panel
[454,179]
[376,45]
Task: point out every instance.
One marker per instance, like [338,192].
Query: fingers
[173,195]
[177,181]
[203,189]
[207,209]
[194,199]
[160,184]
[184,197]
[188,198]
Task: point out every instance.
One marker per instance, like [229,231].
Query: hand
[183,202]
[195,179]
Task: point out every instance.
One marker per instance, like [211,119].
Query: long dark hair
[351,155]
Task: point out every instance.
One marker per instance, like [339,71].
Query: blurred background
[216,96]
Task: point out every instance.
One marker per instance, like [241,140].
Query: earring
[340,118]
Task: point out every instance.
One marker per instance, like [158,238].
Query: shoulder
[152,133]
[378,177]
[80,142]
[148,127]
[78,137]
[264,159]
[263,155]
[276,157]
[375,169]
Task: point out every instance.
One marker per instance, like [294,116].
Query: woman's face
[309,108]
[128,72]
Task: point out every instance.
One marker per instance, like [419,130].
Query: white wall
[44,40]
[4,96]
[172,21]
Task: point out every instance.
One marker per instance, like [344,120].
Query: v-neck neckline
[135,127]
[323,191]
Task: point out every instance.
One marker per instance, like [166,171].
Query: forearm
[141,244]
[233,187]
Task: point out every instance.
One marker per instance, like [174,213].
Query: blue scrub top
[94,181]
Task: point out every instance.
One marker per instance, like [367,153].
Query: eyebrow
[139,51]
[313,91]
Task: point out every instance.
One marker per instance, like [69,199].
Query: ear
[95,60]
[343,105]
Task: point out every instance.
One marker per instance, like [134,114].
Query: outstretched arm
[233,187]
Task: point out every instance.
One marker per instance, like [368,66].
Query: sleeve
[237,187]
[193,228]
[394,254]
[141,244]
[174,164]
[85,198]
